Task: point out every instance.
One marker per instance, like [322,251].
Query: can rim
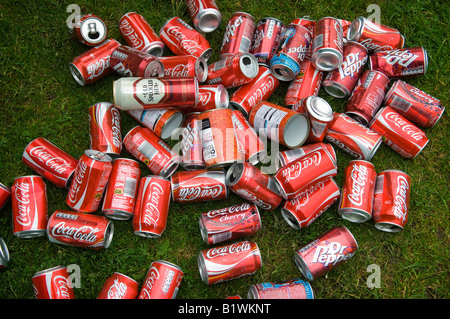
[155,48]
[317,59]
[234,174]
[167,263]
[354,215]
[206,14]
[303,266]
[249,68]
[388,227]
[338,90]
[201,69]
[172,123]
[155,65]
[76,74]
[355,29]
[292,129]
[100,38]
[290,218]
[314,107]
[4,254]
[253,293]
[222,97]
[109,231]
[202,267]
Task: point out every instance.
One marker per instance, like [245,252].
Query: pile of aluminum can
[223,139]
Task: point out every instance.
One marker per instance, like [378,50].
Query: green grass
[40,98]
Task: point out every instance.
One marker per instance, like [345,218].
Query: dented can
[179,66]
[400,63]
[238,35]
[213,96]
[267,36]
[127,61]
[53,283]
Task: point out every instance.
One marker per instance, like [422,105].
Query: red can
[320,115]
[191,146]
[228,262]
[325,253]
[345,26]
[152,207]
[367,96]
[259,89]
[375,37]
[233,71]
[162,281]
[238,35]
[80,230]
[353,137]
[204,14]
[139,34]
[49,161]
[291,289]
[340,82]
[182,39]
[5,195]
[93,65]
[358,191]
[400,63]
[305,22]
[29,206]
[53,283]
[89,181]
[415,105]
[121,190]
[302,211]
[213,96]
[143,144]
[145,93]
[250,183]
[327,46]
[4,255]
[288,156]
[267,36]
[225,224]
[127,61]
[398,133]
[391,203]
[304,172]
[179,66]
[119,286]
[199,186]
[90,30]
[105,129]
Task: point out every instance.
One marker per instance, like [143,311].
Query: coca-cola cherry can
[225,224]
[327,45]
[229,262]
[391,203]
[205,14]
[340,82]
[288,156]
[250,183]
[139,34]
[90,30]
[267,36]
[199,185]
[358,191]
[53,283]
[152,207]
[80,230]
[162,281]
[89,181]
[182,39]
[213,96]
[93,65]
[191,146]
[128,61]
[4,255]
[49,161]
[119,286]
[320,115]
[121,190]
[105,129]
[185,66]
[414,104]
[143,144]
[291,289]
[325,253]
[238,35]
[400,63]
[5,195]
[398,133]
[29,206]
[302,211]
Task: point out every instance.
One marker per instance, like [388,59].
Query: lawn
[39,97]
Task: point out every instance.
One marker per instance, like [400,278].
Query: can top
[98,156]
[249,65]
[93,30]
[319,108]
[201,69]
[234,174]
[355,30]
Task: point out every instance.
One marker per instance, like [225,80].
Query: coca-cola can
[288,156]
[306,22]
[327,46]
[304,172]
[89,181]
[105,129]
[5,195]
[398,133]
[229,223]
[414,104]
[374,36]
[199,185]
[205,15]
[400,63]
[138,34]
[352,137]
[340,82]
[152,207]
[229,262]
[121,190]
[391,202]
[325,253]
[182,39]
[250,183]
[79,229]
[238,35]
[178,66]
[53,283]
[291,289]
[93,65]
[90,30]
[134,93]
[267,36]
[50,162]
[302,211]
[143,144]
[279,124]
[162,281]
[320,115]
[191,146]
[128,61]
[260,88]
[213,96]
[233,71]
[4,255]
[29,206]
[358,191]
[119,286]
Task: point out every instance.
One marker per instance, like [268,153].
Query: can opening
[249,65]
[290,218]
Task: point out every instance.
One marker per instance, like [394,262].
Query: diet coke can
[5,195]
[320,115]
[127,61]
[400,63]
[288,156]
[162,281]
[327,46]
[178,66]
[53,283]
[205,14]
[291,289]
[267,36]
[90,30]
[191,146]
[213,96]
[238,35]
[4,255]
[119,286]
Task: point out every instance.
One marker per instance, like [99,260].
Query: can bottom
[31,233]
[388,227]
[146,234]
[290,218]
[354,215]
[336,89]
[117,214]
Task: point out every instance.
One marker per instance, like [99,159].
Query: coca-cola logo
[83,233]
[195,192]
[204,98]
[54,163]
[228,210]
[400,57]
[152,277]
[152,212]
[117,290]
[400,201]
[266,86]
[228,250]
[405,126]
[180,70]
[77,181]
[128,32]
[97,67]
[252,198]
[303,199]
[189,45]
[61,284]
[294,170]
[22,196]
[116,133]
[373,47]
[358,175]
